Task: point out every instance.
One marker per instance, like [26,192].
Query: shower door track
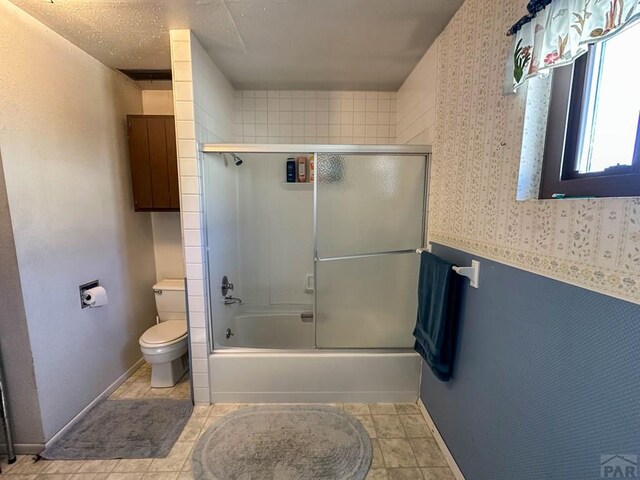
[313,148]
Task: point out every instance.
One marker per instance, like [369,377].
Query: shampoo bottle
[312,168]
[302,169]
[291,170]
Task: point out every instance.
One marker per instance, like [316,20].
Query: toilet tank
[170,300]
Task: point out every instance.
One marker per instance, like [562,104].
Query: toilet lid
[165,332]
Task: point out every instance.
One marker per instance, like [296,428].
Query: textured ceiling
[258,44]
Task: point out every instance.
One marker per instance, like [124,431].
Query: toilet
[164,345]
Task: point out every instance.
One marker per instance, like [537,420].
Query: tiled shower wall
[204,113]
[284,116]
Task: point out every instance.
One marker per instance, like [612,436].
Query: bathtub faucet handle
[231,300]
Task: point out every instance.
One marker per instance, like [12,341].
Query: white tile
[273,117]
[286,117]
[273,130]
[193,255]
[201,396]
[190,203]
[298,105]
[249,116]
[346,131]
[310,105]
[310,118]
[261,130]
[181,51]
[183,91]
[262,117]
[186,129]
[347,118]
[190,185]
[177,35]
[194,270]
[197,319]
[322,117]
[198,335]
[322,104]
[182,71]
[188,167]
[200,365]
[261,104]
[184,110]
[359,118]
[192,238]
[285,104]
[297,118]
[195,287]
[273,104]
[199,350]
[347,105]
[285,130]
[200,380]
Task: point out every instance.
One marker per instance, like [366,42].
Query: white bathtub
[271,358]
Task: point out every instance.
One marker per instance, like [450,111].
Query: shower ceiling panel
[260,44]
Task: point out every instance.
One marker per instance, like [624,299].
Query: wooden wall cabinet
[154,164]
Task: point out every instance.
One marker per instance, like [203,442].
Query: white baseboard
[109,390]
[457,473]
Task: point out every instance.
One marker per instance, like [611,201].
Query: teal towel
[436,324]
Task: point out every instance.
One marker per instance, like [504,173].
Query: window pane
[613,108]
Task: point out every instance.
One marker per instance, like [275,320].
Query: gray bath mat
[138,428]
[287,442]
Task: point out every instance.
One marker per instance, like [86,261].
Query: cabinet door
[159,162]
[140,164]
[154,165]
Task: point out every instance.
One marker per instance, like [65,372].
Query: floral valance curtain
[556,32]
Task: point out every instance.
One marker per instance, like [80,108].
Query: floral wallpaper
[476,164]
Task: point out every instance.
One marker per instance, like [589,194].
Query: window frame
[567,109]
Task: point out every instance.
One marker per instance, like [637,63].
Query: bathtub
[271,358]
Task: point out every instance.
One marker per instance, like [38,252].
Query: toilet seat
[164,334]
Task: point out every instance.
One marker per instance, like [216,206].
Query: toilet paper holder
[83,288]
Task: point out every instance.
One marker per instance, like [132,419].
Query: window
[593,132]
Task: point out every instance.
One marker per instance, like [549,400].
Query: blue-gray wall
[547,378]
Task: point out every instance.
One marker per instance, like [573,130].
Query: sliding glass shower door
[370,216]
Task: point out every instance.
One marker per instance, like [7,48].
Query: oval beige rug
[284,442]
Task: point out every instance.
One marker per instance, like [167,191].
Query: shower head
[236,159]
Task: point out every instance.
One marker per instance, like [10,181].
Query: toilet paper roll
[95,297]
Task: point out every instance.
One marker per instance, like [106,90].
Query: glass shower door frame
[317,259]
[318,149]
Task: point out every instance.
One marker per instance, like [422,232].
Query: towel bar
[472,272]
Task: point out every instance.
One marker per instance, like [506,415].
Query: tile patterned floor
[403,449]
[138,385]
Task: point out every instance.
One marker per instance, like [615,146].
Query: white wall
[167,245]
[275,233]
[64,149]
[157,102]
[17,359]
[416,116]
[204,109]
[285,116]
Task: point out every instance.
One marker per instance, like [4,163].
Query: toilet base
[164,375]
